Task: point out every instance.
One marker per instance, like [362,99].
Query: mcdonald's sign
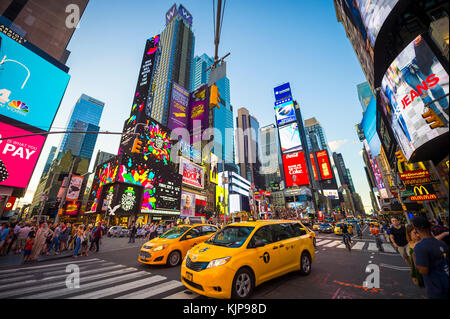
[422,193]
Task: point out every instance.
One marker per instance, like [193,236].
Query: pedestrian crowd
[34,240]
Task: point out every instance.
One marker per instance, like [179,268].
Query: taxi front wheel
[174,258]
[243,284]
[305,264]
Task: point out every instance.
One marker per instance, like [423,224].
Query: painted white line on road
[341,246]
[333,243]
[49,265]
[187,294]
[153,291]
[359,245]
[395,267]
[323,242]
[372,247]
[388,248]
[121,288]
[336,293]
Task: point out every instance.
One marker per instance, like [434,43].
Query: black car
[326,228]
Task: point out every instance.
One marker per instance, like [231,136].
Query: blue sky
[271,42]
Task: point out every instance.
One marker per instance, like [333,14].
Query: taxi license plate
[188,276]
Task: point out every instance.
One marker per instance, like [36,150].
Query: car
[338,230]
[326,228]
[243,255]
[316,226]
[117,231]
[306,222]
[171,247]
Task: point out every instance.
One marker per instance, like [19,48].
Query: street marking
[396,267]
[341,246]
[46,266]
[323,242]
[372,247]
[333,243]
[152,291]
[359,245]
[83,287]
[121,288]
[388,248]
[187,294]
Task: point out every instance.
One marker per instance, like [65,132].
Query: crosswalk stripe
[359,245]
[333,243]
[121,288]
[341,246]
[46,266]
[323,242]
[372,247]
[186,294]
[388,248]
[46,286]
[45,279]
[83,287]
[153,291]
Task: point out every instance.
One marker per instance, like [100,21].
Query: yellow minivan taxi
[171,247]
[243,255]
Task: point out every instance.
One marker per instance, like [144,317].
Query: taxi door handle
[275,247]
[281,245]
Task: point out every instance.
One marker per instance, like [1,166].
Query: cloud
[335,145]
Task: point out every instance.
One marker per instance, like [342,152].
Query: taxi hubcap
[243,285]
[305,263]
[174,258]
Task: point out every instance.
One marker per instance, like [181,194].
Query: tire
[305,264]
[314,242]
[174,258]
[243,284]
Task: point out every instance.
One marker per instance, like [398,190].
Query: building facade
[50,158]
[343,172]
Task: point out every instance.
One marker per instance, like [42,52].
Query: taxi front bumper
[150,257]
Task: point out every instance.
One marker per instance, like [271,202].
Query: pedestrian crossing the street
[356,245]
[98,279]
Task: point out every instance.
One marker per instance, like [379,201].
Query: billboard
[331,193]
[18,156]
[187,204]
[222,200]
[156,142]
[413,80]
[311,156]
[283,91]
[376,171]
[324,164]
[295,170]
[10,203]
[198,105]
[179,107]
[31,88]
[74,188]
[193,175]
[369,127]
[290,138]
[285,111]
[191,152]
[214,170]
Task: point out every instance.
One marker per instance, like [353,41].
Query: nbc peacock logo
[19,105]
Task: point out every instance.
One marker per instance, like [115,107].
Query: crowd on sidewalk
[34,240]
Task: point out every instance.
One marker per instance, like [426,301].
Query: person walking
[413,238]
[160,229]
[22,238]
[39,242]
[398,238]
[376,233]
[97,236]
[152,230]
[87,240]
[133,231]
[54,241]
[28,247]
[16,231]
[432,260]
[4,238]
[64,236]
[78,240]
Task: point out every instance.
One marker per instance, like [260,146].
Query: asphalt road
[336,274]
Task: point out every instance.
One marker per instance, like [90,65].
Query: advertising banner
[193,175]
[285,111]
[127,201]
[369,127]
[156,142]
[18,156]
[31,88]
[324,164]
[283,91]
[198,108]
[423,193]
[72,208]
[290,138]
[295,169]
[187,204]
[331,193]
[10,203]
[376,171]
[74,188]
[415,79]
[179,107]
[313,163]
[190,152]
[222,200]
[214,170]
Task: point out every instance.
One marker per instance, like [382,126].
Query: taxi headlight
[160,247]
[218,262]
[147,246]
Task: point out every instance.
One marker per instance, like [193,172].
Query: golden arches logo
[421,190]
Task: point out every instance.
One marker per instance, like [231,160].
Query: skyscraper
[343,172]
[50,159]
[85,116]
[270,156]
[365,94]
[223,116]
[175,61]
[315,135]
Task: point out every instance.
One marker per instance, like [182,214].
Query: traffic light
[137,146]
[401,157]
[433,118]
[215,96]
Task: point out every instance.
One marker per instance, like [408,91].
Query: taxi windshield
[175,232]
[231,236]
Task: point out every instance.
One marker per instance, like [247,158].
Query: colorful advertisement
[414,84]
[285,111]
[369,127]
[31,88]
[324,164]
[214,169]
[290,138]
[10,203]
[423,193]
[376,172]
[282,92]
[187,204]
[18,156]
[191,152]
[311,156]
[193,175]
[179,107]
[222,200]
[156,142]
[331,193]
[198,120]
[72,208]
[295,170]
[74,188]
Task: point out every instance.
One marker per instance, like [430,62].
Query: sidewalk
[107,244]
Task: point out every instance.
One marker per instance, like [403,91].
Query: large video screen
[415,79]
[290,138]
[295,170]
[193,175]
[324,164]
[179,107]
[369,127]
[18,156]
[31,88]
[187,204]
[285,112]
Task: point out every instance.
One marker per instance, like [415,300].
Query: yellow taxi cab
[171,247]
[373,222]
[316,226]
[243,255]
[338,229]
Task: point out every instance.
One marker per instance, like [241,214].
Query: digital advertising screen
[179,107]
[74,188]
[156,142]
[415,79]
[127,200]
[283,91]
[313,163]
[214,169]
[193,175]
[331,193]
[324,164]
[18,156]
[290,138]
[31,88]
[376,171]
[198,105]
[285,112]
[295,170]
[369,127]
[187,204]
